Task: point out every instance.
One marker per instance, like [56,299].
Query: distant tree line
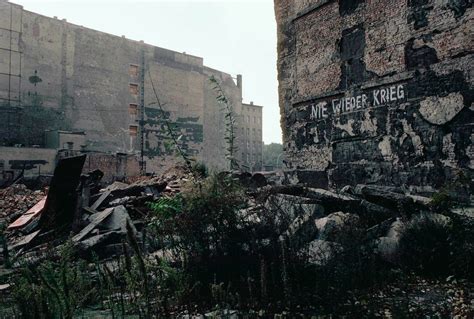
[273,155]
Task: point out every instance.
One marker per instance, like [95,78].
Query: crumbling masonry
[71,78]
[377,91]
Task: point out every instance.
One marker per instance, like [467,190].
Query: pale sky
[234,36]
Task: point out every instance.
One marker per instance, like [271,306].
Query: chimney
[239,82]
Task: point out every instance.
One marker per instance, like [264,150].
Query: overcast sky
[234,36]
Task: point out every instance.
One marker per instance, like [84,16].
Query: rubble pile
[17,199]
[318,222]
[316,226]
[315,220]
[77,205]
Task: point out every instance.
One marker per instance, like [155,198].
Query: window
[133,89]
[133,129]
[133,109]
[133,70]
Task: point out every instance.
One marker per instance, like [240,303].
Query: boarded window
[133,70]
[133,130]
[133,89]
[133,109]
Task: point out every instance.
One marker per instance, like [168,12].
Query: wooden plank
[89,210]
[86,230]
[101,199]
[25,240]
[28,216]
[106,193]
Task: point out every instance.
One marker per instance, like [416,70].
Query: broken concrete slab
[336,226]
[117,220]
[284,208]
[387,246]
[384,197]
[111,219]
[331,201]
[97,220]
[303,228]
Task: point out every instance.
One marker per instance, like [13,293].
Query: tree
[273,155]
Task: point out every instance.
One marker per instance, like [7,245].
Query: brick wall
[375,91]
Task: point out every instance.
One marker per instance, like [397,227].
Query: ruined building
[377,91]
[251,131]
[64,79]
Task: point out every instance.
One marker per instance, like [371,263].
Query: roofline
[103,32]
[256,105]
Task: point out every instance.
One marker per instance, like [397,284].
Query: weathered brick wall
[375,91]
[116,167]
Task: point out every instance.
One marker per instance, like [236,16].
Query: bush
[441,202]
[53,289]
[202,226]
[425,244]
[462,246]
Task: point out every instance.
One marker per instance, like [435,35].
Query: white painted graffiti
[375,98]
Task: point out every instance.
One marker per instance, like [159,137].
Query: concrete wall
[42,161]
[10,155]
[64,140]
[377,91]
[91,81]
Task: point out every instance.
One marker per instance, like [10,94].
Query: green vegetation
[273,155]
[230,122]
[208,254]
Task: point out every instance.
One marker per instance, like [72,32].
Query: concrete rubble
[75,207]
[313,221]
[317,225]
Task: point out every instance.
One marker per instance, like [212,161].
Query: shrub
[424,244]
[462,246]
[441,202]
[203,222]
[53,289]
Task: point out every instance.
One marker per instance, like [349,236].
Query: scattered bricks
[17,199]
